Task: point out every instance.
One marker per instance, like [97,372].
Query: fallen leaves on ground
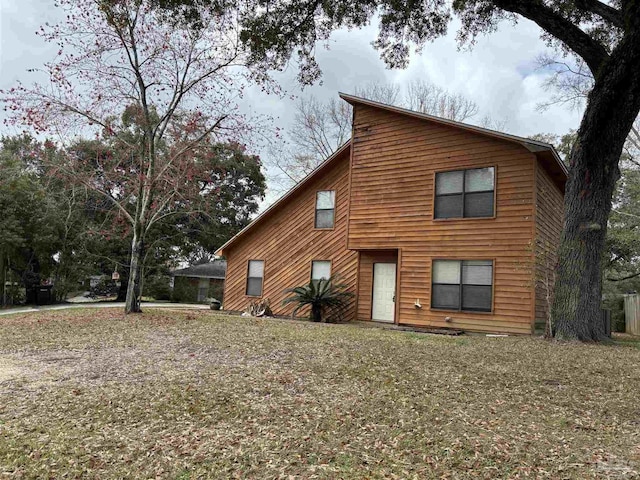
[174,394]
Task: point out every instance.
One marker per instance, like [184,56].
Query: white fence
[632,314]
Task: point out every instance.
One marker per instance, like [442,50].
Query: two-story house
[430,223]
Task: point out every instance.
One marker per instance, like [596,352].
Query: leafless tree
[321,127]
[571,81]
[429,98]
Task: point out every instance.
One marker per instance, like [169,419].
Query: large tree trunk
[132,302]
[613,105]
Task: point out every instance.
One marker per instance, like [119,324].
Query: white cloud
[498,73]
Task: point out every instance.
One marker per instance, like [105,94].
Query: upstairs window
[465,285]
[465,193]
[325,208]
[320,270]
[255,277]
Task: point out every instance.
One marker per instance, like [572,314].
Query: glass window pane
[320,269]
[449,206]
[477,272]
[445,296]
[324,218]
[476,298]
[446,271]
[326,199]
[254,287]
[478,205]
[449,182]
[256,268]
[478,179]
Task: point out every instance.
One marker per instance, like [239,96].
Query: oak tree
[604,35]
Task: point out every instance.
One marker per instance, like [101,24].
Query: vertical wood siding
[632,314]
[394,161]
[287,242]
[549,218]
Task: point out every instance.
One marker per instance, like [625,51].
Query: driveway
[67,306]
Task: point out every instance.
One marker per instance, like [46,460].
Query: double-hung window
[465,285]
[465,193]
[255,278]
[320,270]
[325,208]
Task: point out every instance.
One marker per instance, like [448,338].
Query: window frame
[311,279]
[264,269]
[461,284]
[463,193]
[316,210]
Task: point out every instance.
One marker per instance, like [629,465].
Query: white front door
[384,292]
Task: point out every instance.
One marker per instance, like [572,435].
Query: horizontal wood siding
[394,161]
[365,281]
[287,242]
[549,220]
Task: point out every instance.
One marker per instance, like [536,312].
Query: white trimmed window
[325,208]
[320,270]
[255,277]
[465,193]
[464,285]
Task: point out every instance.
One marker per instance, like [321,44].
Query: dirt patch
[9,369]
[164,394]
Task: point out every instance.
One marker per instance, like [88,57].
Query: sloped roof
[531,145]
[215,269]
[545,152]
[299,186]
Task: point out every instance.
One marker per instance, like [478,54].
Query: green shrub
[328,300]
[184,290]
[157,287]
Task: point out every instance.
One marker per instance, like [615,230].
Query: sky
[499,73]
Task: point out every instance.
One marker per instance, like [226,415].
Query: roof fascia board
[531,145]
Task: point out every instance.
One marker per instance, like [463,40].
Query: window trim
[316,209]
[460,310]
[246,285]
[320,260]
[435,195]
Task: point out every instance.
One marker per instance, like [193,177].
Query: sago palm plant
[327,299]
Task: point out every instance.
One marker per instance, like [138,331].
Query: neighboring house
[430,222]
[199,282]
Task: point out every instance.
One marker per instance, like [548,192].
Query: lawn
[176,394]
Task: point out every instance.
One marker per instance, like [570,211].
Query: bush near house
[326,299]
[185,290]
[157,287]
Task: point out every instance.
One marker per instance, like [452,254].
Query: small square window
[465,285]
[320,270]
[325,209]
[255,277]
[465,193]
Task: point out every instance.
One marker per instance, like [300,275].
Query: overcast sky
[499,73]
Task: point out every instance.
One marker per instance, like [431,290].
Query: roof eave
[533,146]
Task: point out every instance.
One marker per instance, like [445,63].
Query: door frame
[395,296]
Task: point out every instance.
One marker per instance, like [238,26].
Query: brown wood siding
[549,220]
[365,275]
[394,161]
[287,242]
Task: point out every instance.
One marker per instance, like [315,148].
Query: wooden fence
[632,313]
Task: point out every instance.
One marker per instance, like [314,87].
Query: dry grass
[86,393]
